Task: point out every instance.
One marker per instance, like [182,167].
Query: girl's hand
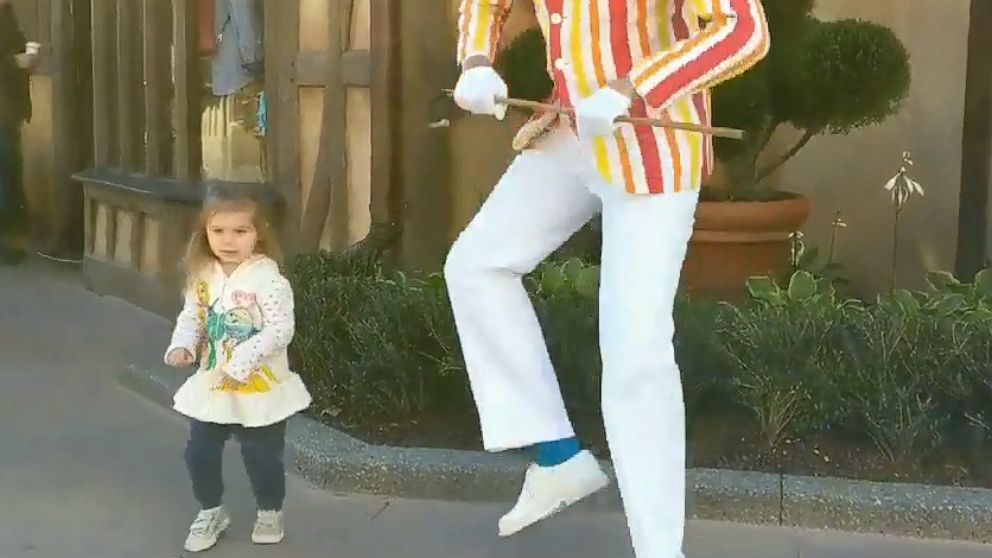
[179,358]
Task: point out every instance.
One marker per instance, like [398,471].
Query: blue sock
[557,452]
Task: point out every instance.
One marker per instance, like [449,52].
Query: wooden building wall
[55,141]
[322,82]
[353,88]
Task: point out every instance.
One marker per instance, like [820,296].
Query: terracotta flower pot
[733,241]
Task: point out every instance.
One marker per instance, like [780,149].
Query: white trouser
[544,197]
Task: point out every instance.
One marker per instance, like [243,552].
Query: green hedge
[905,371]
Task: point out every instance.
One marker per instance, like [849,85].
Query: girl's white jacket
[238,327]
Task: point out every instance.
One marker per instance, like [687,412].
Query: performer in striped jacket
[607,58]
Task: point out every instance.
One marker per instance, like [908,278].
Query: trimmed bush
[908,371]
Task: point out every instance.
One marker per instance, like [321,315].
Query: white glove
[477,90]
[595,115]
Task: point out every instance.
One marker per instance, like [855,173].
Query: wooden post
[330,178]
[337,173]
[87,226]
[423,168]
[45,14]
[130,92]
[189,143]
[284,116]
[157,17]
[386,196]
[976,142]
[104,33]
[273,61]
[64,103]
[71,122]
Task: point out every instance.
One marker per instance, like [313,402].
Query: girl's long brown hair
[220,199]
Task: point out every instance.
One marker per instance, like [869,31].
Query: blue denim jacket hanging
[240,50]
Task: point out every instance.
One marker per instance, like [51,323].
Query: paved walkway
[89,470]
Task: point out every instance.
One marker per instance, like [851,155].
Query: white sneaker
[208,526]
[269,528]
[548,490]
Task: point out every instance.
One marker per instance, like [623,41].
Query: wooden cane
[730,133]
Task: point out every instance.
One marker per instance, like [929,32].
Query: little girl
[237,321]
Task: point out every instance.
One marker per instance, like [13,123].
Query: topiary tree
[821,77]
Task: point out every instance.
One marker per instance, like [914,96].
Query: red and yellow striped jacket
[673,51]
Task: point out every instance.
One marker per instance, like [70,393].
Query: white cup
[32,48]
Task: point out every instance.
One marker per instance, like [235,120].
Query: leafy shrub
[565,296]
[784,362]
[893,364]
[906,371]
[370,343]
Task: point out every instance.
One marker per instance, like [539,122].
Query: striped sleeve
[480,23]
[734,38]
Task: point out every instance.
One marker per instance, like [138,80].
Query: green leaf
[572,268]
[587,284]
[802,286]
[435,281]
[552,279]
[983,283]
[852,303]
[906,300]
[941,280]
[948,304]
[764,289]
[829,289]
[982,314]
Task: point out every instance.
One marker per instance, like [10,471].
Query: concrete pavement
[89,470]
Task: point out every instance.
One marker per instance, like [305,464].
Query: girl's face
[232,236]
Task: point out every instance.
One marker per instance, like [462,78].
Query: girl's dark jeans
[262,451]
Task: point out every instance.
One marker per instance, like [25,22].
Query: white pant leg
[538,204]
[644,244]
